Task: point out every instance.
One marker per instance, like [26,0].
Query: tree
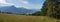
[53,7]
[44,9]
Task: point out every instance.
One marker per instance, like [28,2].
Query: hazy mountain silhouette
[13,9]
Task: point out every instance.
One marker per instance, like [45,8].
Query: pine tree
[44,9]
[53,7]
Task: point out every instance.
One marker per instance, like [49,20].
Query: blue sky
[29,4]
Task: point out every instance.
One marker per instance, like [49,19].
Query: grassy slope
[21,18]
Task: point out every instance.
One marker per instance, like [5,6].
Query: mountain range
[13,9]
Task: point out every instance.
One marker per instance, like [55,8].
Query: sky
[29,4]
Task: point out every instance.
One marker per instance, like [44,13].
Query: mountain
[13,9]
[9,9]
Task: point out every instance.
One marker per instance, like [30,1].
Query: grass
[23,18]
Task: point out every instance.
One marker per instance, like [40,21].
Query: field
[23,18]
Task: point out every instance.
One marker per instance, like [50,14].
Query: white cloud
[28,5]
[4,2]
[24,1]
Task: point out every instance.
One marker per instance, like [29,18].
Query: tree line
[6,12]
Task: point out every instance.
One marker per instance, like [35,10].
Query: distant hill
[13,9]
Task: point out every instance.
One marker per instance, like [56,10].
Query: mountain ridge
[13,9]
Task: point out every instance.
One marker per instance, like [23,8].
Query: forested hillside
[51,8]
